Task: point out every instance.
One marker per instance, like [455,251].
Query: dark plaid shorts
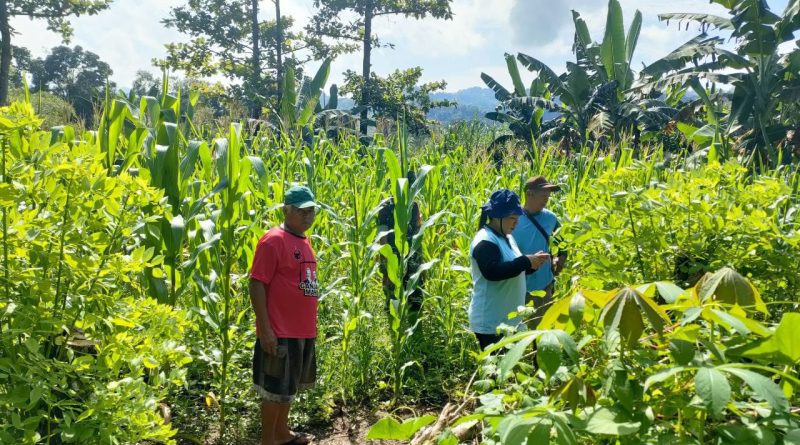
[279,378]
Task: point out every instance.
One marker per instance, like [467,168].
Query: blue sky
[129,34]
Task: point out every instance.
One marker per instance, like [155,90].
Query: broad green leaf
[604,421]
[622,314]
[548,353]
[9,196]
[654,313]
[513,356]
[35,396]
[713,388]
[564,434]
[598,298]
[390,429]
[150,363]
[731,321]
[568,345]
[500,92]
[729,287]
[557,316]
[582,35]
[662,376]
[540,434]
[669,291]
[315,90]
[682,351]
[119,321]
[507,341]
[762,387]
[787,336]
[792,437]
[633,36]
[513,70]
[577,305]
[514,430]
[612,49]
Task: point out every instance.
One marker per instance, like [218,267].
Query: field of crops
[124,300]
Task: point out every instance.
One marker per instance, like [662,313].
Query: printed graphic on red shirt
[308,279]
[285,263]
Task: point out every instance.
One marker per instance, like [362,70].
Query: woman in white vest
[498,268]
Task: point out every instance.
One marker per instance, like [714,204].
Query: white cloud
[536,22]
[126,36]
[130,33]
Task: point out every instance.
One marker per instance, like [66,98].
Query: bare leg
[282,432]
[270,411]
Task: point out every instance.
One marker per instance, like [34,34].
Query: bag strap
[539,228]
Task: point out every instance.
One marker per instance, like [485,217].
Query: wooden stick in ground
[446,418]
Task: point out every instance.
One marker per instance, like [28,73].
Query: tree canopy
[55,12]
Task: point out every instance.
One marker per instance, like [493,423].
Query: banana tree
[764,80]
[296,110]
[594,91]
[522,109]
[334,122]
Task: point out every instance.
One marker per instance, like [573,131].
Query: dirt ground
[345,429]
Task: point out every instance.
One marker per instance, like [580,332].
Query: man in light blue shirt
[533,235]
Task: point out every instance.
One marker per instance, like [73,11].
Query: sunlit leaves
[730,288]
[391,429]
[626,313]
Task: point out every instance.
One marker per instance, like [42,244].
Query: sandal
[300,439]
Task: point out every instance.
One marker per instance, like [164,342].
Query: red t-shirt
[285,262]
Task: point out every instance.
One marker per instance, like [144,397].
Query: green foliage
[398,97]
[351,20]
[225,41]
[763,104]
[55,12]
[86,356]
[53,110]
[595,101]
[388,428]
[522,109]
[150,215]
[75,75]
[679,224]
[640,394]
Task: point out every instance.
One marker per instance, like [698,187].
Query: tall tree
[398,95]
[278,44]
[146,84]
[56,12]
[77,75]
[229,38]
[333,19]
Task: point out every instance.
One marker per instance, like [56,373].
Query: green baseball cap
[299,196]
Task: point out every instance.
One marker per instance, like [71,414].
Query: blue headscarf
[501,204]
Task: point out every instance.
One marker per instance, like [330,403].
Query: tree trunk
[278,49]
[368,14]
[255,110]
[5,51]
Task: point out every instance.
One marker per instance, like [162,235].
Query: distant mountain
[471,103]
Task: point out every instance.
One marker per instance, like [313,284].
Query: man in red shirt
[284,292]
